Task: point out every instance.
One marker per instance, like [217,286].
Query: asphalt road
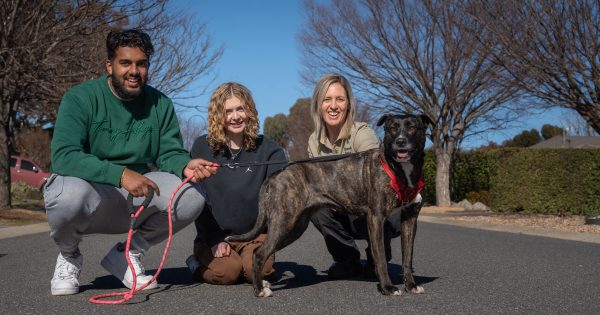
[463,271]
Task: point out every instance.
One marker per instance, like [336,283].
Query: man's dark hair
[128,38]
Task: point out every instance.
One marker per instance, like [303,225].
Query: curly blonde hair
[217,138]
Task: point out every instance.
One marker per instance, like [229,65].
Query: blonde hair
[317,99]
[217,138]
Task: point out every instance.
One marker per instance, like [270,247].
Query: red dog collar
[404,194]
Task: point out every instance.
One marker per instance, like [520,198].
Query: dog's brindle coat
[356,185]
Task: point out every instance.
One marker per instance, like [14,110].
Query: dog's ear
[382,120]
[427,122]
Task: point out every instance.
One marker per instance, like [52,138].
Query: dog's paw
[266,284]
[265,292]
[396,293]
[417,290]
[389,290]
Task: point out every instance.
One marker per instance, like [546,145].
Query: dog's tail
[261,221]
[259,226]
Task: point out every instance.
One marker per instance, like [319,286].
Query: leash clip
[232,165]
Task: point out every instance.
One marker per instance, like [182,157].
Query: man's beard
[122,92]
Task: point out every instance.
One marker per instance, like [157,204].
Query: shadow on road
[168,276]
[396,275]
[292,275]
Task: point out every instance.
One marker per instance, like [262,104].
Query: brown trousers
[227,270]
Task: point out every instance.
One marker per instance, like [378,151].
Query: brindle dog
[358,185]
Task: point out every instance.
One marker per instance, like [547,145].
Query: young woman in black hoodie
[232,193]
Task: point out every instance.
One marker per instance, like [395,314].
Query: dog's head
[404,138]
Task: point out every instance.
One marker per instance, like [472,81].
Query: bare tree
[184,53]
[364,113]
[191,128]
[574,125]
[35,144]
[552,48]
[47,46]
[414,57]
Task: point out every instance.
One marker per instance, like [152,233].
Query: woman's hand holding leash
[199,169]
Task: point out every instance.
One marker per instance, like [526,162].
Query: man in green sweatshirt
[116,136]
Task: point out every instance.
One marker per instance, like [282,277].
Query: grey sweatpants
[75,207]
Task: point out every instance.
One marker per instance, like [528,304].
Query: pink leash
[128,295]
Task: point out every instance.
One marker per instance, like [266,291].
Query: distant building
[573,142]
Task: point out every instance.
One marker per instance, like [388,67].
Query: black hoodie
[232,193]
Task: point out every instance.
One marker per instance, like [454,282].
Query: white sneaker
[66,275]
[115,263]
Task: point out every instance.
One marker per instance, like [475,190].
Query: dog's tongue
[402,155]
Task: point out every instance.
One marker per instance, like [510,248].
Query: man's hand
[221,250]
[137,184]
[199,169]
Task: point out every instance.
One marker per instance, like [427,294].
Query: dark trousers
[340,230]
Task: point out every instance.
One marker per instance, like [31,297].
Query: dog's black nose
[401,141]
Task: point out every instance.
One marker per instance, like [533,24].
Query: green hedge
[547,181]
[531,180]
[471,176]
[428,193]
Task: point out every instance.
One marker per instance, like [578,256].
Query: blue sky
[262,53]
[260,49]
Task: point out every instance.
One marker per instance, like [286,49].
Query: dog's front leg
[409,230]
[375,228]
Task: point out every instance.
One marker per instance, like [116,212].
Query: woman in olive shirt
[332,108]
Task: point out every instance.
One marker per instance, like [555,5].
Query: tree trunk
[442,177]
[5,201]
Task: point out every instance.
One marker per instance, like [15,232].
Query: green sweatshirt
[96,135]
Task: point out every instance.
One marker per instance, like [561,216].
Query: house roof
[574,142]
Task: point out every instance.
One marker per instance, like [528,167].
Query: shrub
[20,191]
[479,196]
[428,193]
[472,172]
[549,181]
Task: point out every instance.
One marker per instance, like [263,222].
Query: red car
[26,171]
